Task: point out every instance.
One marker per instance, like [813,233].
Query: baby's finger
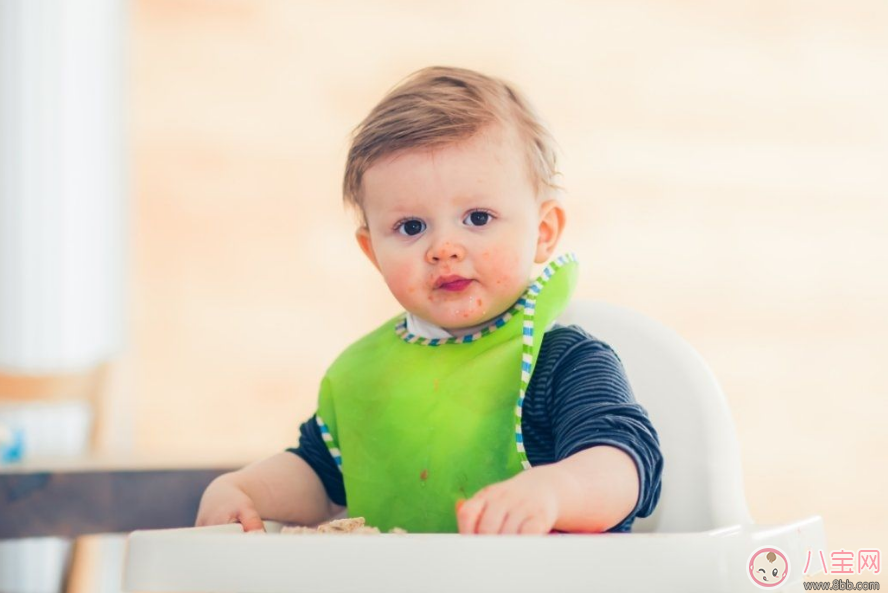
[250,519]
[514,519]
[532,526]
[468,513]
[492,518]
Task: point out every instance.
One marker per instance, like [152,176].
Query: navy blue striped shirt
[578,397]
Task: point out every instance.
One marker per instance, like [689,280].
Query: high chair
[700,537]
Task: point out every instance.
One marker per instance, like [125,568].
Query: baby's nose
[445,251]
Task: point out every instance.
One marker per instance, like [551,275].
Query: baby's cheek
[502,268]
[403,281]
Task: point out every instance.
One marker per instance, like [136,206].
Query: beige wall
[726,167]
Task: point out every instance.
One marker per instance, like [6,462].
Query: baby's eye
[479,217]
[411,227]
[774,572]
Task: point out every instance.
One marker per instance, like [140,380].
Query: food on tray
[352,525]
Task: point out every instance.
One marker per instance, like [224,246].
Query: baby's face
[454,231]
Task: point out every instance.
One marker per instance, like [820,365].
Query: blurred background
[726,166]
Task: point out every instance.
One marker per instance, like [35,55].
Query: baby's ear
[552,219]
[366,245]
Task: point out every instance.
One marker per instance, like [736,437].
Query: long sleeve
[582,398]
[314,451]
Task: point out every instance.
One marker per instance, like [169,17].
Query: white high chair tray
[223,559]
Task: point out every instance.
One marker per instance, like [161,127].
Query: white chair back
[702,481]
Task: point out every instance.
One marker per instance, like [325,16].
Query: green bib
[415,424]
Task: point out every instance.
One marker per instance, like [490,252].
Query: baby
[472,411]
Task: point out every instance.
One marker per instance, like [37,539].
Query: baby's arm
[590,491]
[596,489]
[282,488]
[607,461]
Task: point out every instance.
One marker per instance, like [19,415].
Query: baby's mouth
[456,285]
[452,283]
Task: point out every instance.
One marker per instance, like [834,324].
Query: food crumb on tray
[352,526]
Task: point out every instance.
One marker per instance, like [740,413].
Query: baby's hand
[224,502]
[525,504]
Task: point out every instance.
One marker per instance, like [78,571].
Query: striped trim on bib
[527,344]
[328,440]
[401,329]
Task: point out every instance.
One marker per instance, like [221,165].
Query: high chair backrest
[702,481]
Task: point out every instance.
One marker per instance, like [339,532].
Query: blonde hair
[440,105]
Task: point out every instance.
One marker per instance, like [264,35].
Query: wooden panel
[69,504]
